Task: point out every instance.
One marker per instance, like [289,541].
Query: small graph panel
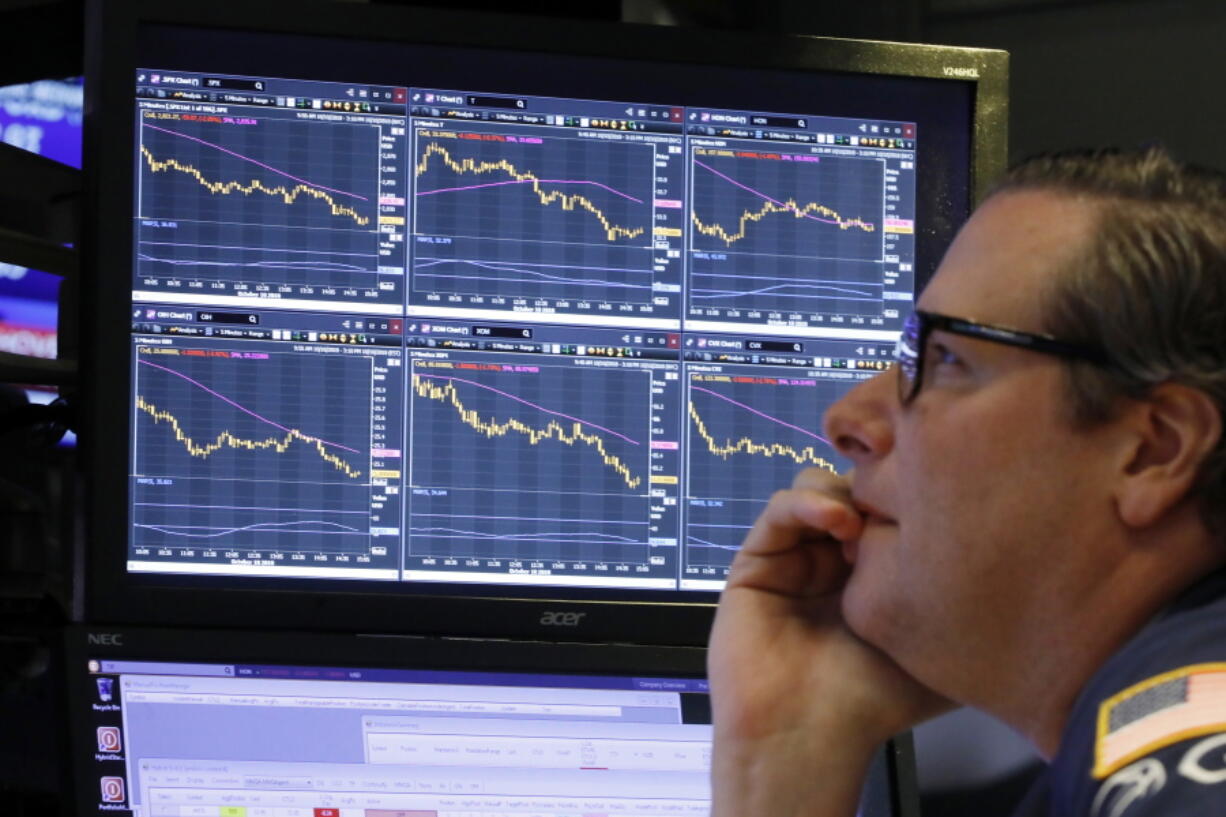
[519,190]
[257,456]
[267,207]
[543,465]
[353,209]
[778,236]
[541,220]
[750,429]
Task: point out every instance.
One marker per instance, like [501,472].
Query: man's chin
[864,609]
[855,604]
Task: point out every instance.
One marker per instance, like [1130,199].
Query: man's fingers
[837,488]
[828,570]
[792,549]
[823,480]
[801,514]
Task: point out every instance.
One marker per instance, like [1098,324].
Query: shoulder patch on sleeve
[1158,712]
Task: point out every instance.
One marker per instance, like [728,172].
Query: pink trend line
[791,207]
[526,181]
[526,403]
[254,162]
[760,414]
[225,399]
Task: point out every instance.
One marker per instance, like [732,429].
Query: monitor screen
[499,319]
[163,729]
[45,118]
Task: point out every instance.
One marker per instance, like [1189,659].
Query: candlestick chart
[517,216]
[529,461]
[257,204]
[251,450]
[749,433]
[785,233]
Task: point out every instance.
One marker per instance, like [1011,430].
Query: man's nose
[861,424]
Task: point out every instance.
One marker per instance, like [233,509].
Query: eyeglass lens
[909,354]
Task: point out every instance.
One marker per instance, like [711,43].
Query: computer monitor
[216,724]
[42,117]
[426,322]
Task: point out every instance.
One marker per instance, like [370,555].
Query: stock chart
[268,207]
[621,326]
[514,217]
[532,462]
[750,430]
[260,452]
[785,233]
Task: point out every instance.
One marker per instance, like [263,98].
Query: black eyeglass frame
[912,346]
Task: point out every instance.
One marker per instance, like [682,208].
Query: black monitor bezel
[111,594]
[79,644]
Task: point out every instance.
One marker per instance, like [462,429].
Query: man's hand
[800,703]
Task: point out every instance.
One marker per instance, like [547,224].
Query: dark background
[1083,72]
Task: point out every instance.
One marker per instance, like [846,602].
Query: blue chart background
[508,499]
[743,482]
[785,263]
[505,242]
[302,501]
[258,238]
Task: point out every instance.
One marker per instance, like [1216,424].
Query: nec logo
[106,639]
[554,618]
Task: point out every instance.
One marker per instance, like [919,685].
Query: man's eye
[940,354]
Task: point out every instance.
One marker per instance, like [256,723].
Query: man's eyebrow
[945,334]
[951,341]
[965,345]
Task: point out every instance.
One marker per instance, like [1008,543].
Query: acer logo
[106,639]
[555,618]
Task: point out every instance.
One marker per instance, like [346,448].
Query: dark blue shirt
[1147,734]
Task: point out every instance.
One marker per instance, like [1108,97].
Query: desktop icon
[112,790]
[106,688]
[109,739]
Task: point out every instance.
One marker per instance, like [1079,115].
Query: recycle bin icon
[106,687]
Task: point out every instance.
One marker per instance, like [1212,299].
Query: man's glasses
[912,347]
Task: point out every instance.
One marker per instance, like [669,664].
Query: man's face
[980,493]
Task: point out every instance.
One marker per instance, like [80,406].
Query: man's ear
[1174,429]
